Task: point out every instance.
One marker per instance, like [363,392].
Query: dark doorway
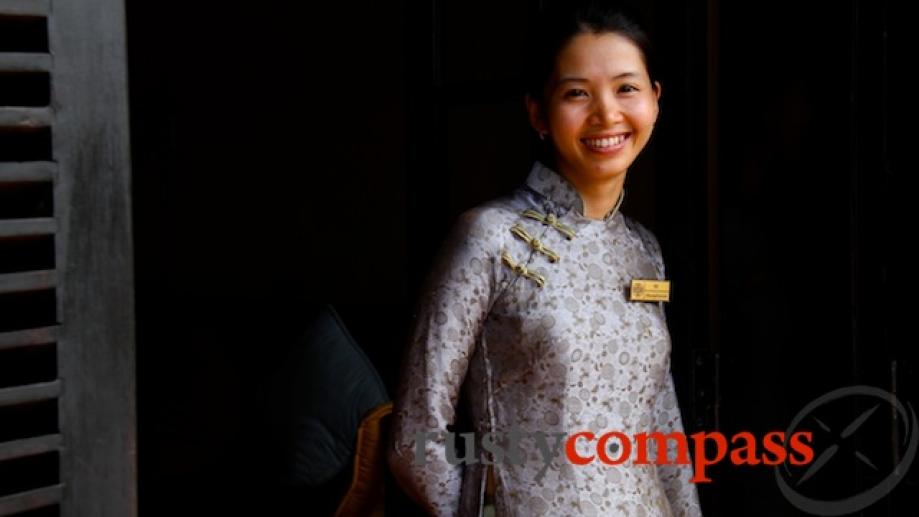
[289,156]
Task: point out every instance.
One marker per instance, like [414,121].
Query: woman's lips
[606,145]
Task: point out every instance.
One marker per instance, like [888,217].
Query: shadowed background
[288,156]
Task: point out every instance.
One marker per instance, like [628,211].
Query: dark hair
[558,24]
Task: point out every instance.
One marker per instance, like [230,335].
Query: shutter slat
[24,62]
[29,337]
[23,501]
[24,7]
[28,281]
[12,172]
[30,393]
[29,446]
[24,118]
[27,227]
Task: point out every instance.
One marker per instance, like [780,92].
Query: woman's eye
[575,93]
[628,88]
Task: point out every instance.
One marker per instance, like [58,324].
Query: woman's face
[600,107]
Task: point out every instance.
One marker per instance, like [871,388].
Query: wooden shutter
[67,404]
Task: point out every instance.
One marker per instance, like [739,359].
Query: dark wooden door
[67,411]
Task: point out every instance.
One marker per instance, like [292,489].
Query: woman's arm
[682,493]
[451,310]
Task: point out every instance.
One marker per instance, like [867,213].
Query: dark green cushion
[330,386]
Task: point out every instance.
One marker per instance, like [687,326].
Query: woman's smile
[599,111]
[607,144]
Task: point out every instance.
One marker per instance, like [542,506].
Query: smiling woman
[528,310]
[599,114]
[598,108]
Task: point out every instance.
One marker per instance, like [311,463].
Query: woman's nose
[607,109]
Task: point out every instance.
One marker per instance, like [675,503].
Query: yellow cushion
[365,495]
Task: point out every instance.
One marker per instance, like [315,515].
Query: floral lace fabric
[540,337]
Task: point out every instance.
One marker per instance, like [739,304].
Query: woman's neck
[598,196]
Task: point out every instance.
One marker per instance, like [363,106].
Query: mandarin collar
[562,193]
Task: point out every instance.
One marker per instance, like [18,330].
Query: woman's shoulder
[477,236]
[492,219]
[647,236]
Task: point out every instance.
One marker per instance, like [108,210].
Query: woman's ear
[535,114]
[657,98]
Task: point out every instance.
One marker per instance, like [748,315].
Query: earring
[542,135]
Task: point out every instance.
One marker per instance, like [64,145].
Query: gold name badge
[650,291]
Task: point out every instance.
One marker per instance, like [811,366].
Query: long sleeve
[450,313]
[681,492]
